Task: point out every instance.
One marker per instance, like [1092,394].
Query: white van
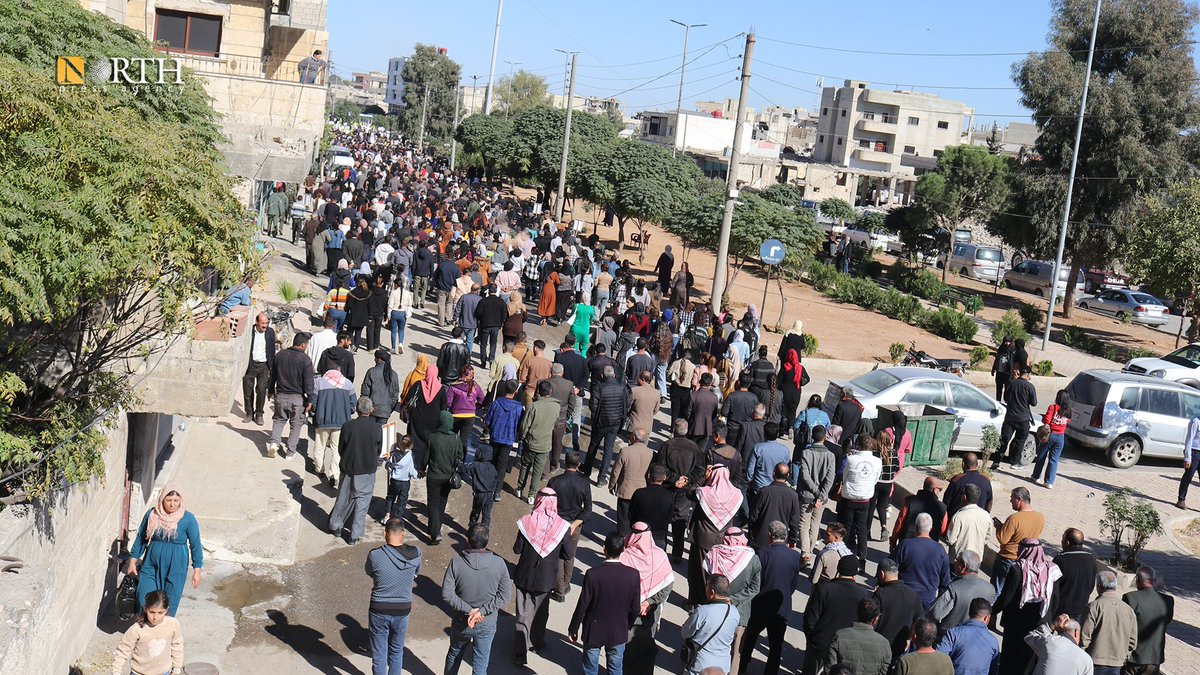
[984,263]
[1033,276]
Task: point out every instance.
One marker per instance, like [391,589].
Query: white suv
[1181,365]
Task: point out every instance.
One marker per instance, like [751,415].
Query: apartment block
[897,132]
[393,96]
[248,55]
[374,82]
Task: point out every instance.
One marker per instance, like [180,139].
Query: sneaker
[332,482]
[1048,486]
[1018,467]
[496,499]
[437,541]
[557,597]
[1181,505]
[272,449]
[355,541]
[399,349]
[248,419]
[258,419]
[530,500]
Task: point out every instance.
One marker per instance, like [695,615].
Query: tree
[968,184]
[346,111]
[428,66]
[783,194]
[1164,246]
[534,147]
[838,210]
[521,91]
[872,221]
[119,206]
[994,143]
[1140,100]
[485,135]
[917,231]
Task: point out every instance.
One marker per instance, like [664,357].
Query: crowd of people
[733,493]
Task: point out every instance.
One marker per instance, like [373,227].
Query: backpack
[802,433]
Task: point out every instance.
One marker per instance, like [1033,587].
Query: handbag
[690,651]
[127,602]
[456,480]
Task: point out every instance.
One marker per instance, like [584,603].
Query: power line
[667,86]
[914,86]
[846,50]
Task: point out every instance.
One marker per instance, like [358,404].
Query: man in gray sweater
[476,587]
[817,465]
[393,567]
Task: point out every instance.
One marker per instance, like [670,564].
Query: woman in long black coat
[358,312]
[425,402]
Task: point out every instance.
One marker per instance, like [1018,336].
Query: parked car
[984,263]
[1121,303]
[1095,281]
[901,385]
[1129,416]
[1033,276]
[864,237]
[339,156]
[1181,365]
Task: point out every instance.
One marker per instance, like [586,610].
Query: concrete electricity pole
[562,167]
[687,28]
[454,129]
[1062,230]
[487,98]
[511,68]
[424,109]
[566,69]
[731,192]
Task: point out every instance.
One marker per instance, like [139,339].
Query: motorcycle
[281,321]
[918,357]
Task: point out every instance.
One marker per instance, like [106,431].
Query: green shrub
[979,354]
[810,344]
[1141,352]
[973,304]
[1009,325]
[901,306]
[1045,368]
[920,282]
[1076,338]
[823,277]
[1123,517]
[952,325]
[1031,316]
[862,292]
[896,350]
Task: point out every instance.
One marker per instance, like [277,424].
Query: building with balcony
[374,82]
[894,132]
[393,88]
[248,53]
[709,140]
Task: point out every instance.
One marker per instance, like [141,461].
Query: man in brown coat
[643,403]
[533,370]
[701,411]
[629,473]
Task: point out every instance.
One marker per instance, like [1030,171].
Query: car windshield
[1088,390]
[1189,356]
[1145,299]
[875,381]
[991,254]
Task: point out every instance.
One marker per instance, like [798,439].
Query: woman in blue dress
[166,540]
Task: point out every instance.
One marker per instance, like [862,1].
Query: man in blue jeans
[1191,458]
[393,567]
[476,587]
[608,605]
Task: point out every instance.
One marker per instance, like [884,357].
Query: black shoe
[355,541]
[436,541]
[557,597]
[496,498]
[258,419]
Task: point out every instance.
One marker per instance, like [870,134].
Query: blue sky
[625,45]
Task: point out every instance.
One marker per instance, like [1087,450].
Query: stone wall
[194,377]
[49,610]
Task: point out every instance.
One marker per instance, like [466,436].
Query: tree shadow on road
[1105,488]
[309,643]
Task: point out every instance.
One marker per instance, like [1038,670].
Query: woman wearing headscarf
[415,376]
[605,335]
[514,323]
[736,561]
[463,399]
[382,386]
[1024,602]
[1002,367]
[791,379]
[444,453]
[548,303]
[565,291]
[427,404]
[358,312]
[680,285]
[793,339]
[539,547]
[168,538]
[341,276]
[1020,357]
[718,501]
[657,579]
[737,343]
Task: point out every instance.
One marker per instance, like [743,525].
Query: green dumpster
[932,430]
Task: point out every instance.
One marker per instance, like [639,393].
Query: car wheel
[1120,316]
[1125,451]
[1029,450]
[963,272]
[940,264]
[1083,305]
[1037,292]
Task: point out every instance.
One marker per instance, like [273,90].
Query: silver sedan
[919,387]
[1123,303]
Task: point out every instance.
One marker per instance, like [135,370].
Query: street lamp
[511,66]
[687,28]
[487,98]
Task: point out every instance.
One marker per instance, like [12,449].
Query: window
[1159,402]
[933,393]
[910,149]
[824,111]
[1128,400]
[937,153]
[966,397]
[1191,405]
[821,138]
[192,33]
[839,141]
[843,112]
[942,124]
[875,381]
[913,121]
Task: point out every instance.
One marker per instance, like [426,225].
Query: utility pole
[487,98]
[424,109]
[562,167]
[1062,230]
[454,130]
[566,70]
[687,28]
[474,92]
[731,192]
[511,83]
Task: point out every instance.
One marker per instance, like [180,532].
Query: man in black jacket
[832,607]
[761,370]
[685,472]
[848,416]
[575,507]
[608,412]
[359,445]
[422,271]
[607,607]
[453,356]
[777,502]
[1019,401]
[654,506]
[738,408]
[258,370]
[1073,589]
[900,605]
[490,314]
[338,356]
[291,386]
[575,369]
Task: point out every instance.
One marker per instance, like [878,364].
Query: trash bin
[932,430]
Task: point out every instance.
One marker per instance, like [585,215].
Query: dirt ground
[1189,536]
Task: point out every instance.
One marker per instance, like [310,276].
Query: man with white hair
[952,606]
[1110,631]
[924,565]
[1056,645]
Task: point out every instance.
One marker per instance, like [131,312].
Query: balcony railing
[245,66]
[878,117]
